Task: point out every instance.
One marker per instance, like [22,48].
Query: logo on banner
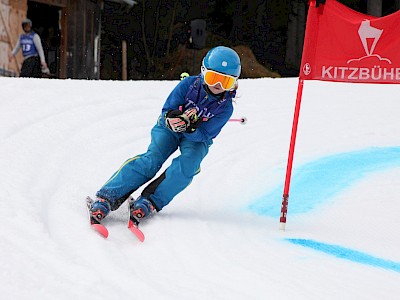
[367,32]
[368,68]
[306,69]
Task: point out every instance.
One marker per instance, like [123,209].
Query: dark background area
[45,20]
[157,33]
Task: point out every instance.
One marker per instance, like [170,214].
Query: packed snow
[219,239]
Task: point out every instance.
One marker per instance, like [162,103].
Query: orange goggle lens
[212,78]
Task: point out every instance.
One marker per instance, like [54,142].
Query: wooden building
[70,32]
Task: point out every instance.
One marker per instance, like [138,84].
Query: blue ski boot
[99,210]
[140,209]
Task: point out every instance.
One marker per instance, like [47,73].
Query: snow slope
[219,239]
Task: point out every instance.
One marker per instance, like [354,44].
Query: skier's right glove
[177,121]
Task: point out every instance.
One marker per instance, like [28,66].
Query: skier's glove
[194,119]
[177,121]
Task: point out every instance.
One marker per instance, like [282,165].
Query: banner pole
[285,198]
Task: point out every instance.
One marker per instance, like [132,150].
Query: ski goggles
[212,78]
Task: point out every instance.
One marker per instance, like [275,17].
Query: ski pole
[242,120]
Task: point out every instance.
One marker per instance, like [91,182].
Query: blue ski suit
[215,111]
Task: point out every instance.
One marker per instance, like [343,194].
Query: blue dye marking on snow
[318,181]
[348,254]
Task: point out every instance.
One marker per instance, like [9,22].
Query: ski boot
[99,209]
[140,209]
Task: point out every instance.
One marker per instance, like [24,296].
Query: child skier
[192,116]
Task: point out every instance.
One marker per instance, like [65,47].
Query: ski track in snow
[219,239]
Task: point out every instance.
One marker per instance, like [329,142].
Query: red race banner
[347,46]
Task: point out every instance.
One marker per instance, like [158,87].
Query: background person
[32,51]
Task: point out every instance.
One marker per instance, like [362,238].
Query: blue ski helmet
[224,60]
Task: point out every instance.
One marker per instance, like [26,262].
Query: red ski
[133,222]
[101,229]
[96,226]
[134,227]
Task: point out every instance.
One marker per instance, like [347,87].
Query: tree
[295,34]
